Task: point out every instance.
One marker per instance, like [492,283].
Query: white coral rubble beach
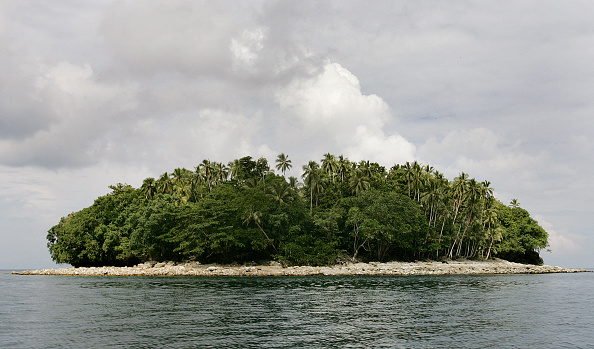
[275,269]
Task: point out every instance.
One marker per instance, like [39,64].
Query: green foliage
[386,224]
[244,212]
[521,235]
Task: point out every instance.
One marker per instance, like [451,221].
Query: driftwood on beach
[275,269]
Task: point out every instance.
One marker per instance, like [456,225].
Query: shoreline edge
[275,269]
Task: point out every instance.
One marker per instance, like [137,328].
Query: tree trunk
[263,232]
[489,250]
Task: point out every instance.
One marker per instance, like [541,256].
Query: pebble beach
[275,269]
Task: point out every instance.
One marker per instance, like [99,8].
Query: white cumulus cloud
[333,106]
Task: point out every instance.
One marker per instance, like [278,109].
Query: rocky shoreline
[275,269]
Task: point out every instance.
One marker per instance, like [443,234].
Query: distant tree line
[342,210]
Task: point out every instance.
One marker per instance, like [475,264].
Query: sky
[94,93]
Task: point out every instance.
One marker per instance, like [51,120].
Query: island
[340,217]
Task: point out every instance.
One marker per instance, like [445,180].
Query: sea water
[463,311]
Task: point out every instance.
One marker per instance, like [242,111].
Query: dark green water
[498,311]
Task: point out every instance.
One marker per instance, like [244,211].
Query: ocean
[455,311]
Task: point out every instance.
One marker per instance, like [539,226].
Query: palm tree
[149,188]
[458,191]
[487,189]
[330,165]
[206,169]
[430,198]
[178,174]
[474,207]
[294,183]
[514,203]
[365,168]
[311,176]
[195,184]
[180,183]
[255,216]
[234,168]
[280,192]
[417,180]
[493,231]
[428,169]
[408,171]
[434,195]
[164,184]
[251,183]
[220,172]
[283,163]
[359,181]
[262,167]
[343,167]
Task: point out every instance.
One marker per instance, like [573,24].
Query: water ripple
[494,311]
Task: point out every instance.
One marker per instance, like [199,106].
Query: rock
[391,268]
[192,264]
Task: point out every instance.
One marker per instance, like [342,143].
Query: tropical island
[343,212]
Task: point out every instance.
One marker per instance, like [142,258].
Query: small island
[344,218]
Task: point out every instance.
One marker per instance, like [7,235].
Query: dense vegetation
[244,212]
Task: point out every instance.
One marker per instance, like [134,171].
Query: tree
[514,203]
[164,184]
[207,171]
[280,191]
[343,167]
[330,165]
[94,235]
[234,169]
[181,185]
[417,180]
[359,182]
[408,170]
[196,185]
[522,236]
[220,172]
[294,183]
[283,163]
[473,207]
[311,176]
[493,232]
[387,222]
[149,188]
[262,168]
[255,216]
[360,237]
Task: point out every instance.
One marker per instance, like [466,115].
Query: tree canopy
[244,212]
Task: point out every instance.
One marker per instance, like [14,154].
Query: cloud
[564,244]
[22,111]
[189,37]
[184,139]
[478,150]
[376,146]
[332,106]
[247,47]
[222,41]
[79,110]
